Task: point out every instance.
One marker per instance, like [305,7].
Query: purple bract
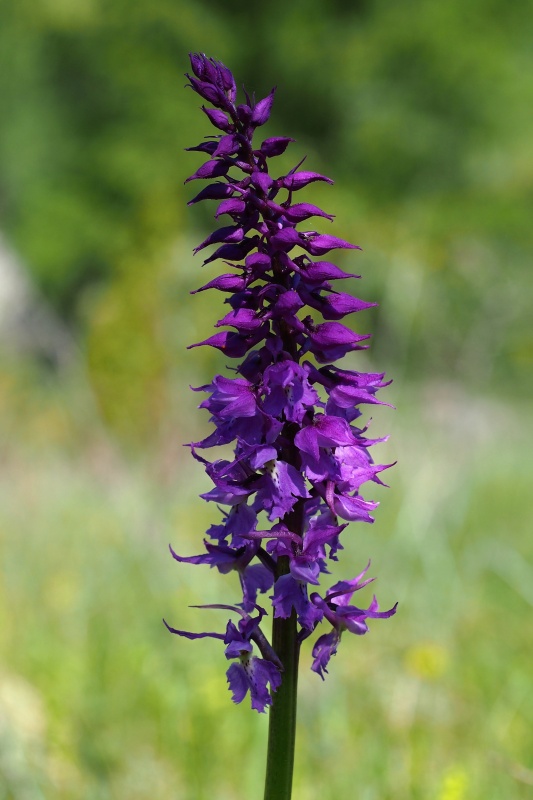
[299,460]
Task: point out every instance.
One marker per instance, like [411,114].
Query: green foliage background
[421,112]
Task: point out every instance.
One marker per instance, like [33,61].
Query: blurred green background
[421,112]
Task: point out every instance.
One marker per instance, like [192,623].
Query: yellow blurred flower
[454,785]
[427,660]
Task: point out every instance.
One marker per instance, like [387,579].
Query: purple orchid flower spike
[288,410]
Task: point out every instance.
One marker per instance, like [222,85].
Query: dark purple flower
[237,525]
[287,393]
[280,486]
[337,610]
[299,462]
[331,341]
[297,180]
[290,594]
[253,577]
[251,673]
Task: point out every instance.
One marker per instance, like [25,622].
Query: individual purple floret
[299,461]
[336,609]
[251,673]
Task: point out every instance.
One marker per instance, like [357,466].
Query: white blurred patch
[27,323]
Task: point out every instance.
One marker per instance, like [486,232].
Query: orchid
[299,461]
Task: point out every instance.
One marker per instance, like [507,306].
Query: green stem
[282,721]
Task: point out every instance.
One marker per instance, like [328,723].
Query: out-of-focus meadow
[421,112]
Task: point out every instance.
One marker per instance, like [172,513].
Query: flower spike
[299,459]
